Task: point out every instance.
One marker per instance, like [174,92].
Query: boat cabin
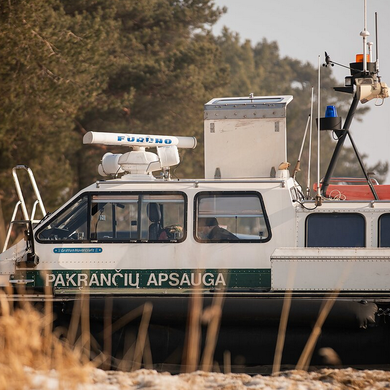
[245,227]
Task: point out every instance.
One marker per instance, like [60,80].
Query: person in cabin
[209,229]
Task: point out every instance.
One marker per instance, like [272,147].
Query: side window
[124,217]
[230,217]
[70,225]
[383,231]
[335,230]
[114,217]
[165,217]
[138,217]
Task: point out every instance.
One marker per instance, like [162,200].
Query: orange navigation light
[359,57]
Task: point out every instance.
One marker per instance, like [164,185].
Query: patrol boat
[245,235]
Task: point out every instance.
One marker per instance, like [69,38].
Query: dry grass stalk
[48,310]
[74,321]
[85,328]
[147,357]
[128,346]
[211,315]
[282,332]
[284,319]
[304,360]
[214,313]
[4,304]
[142,336]
[127,318]
[193,334]
[135,352]
[227,362]
[23,343]
[107,337]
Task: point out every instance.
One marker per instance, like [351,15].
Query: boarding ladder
[21,203]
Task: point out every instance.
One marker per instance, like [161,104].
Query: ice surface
[150,379]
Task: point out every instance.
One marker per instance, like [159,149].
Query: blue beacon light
[331,121]
[331,112]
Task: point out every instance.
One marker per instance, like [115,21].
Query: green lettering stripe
[151,279]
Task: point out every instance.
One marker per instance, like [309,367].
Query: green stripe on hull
[125,279]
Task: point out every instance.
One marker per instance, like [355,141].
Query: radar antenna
[139,162]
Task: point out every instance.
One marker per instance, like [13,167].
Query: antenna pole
[376,43]
[365,34]
[310,137]
[318,196]
[298,164]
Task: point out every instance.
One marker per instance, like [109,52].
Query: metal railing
[21,202]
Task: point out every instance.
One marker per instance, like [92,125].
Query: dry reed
[304,360]
[142,336]
[282,332]
[213,317]
[283,320]
[193,334]
[25,342]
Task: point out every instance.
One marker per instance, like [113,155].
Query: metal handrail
[34,186]
[21,201]
[10,225]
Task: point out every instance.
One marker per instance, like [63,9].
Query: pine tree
[132,66]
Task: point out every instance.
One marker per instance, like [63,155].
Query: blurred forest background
[139,66]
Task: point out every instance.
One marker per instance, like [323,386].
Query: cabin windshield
[71,224]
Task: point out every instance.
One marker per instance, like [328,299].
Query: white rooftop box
[245,137]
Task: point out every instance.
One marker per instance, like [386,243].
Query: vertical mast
[310,137]
[376,44]
[318,196]
[365,34]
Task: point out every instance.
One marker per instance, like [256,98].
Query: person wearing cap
[209,229]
